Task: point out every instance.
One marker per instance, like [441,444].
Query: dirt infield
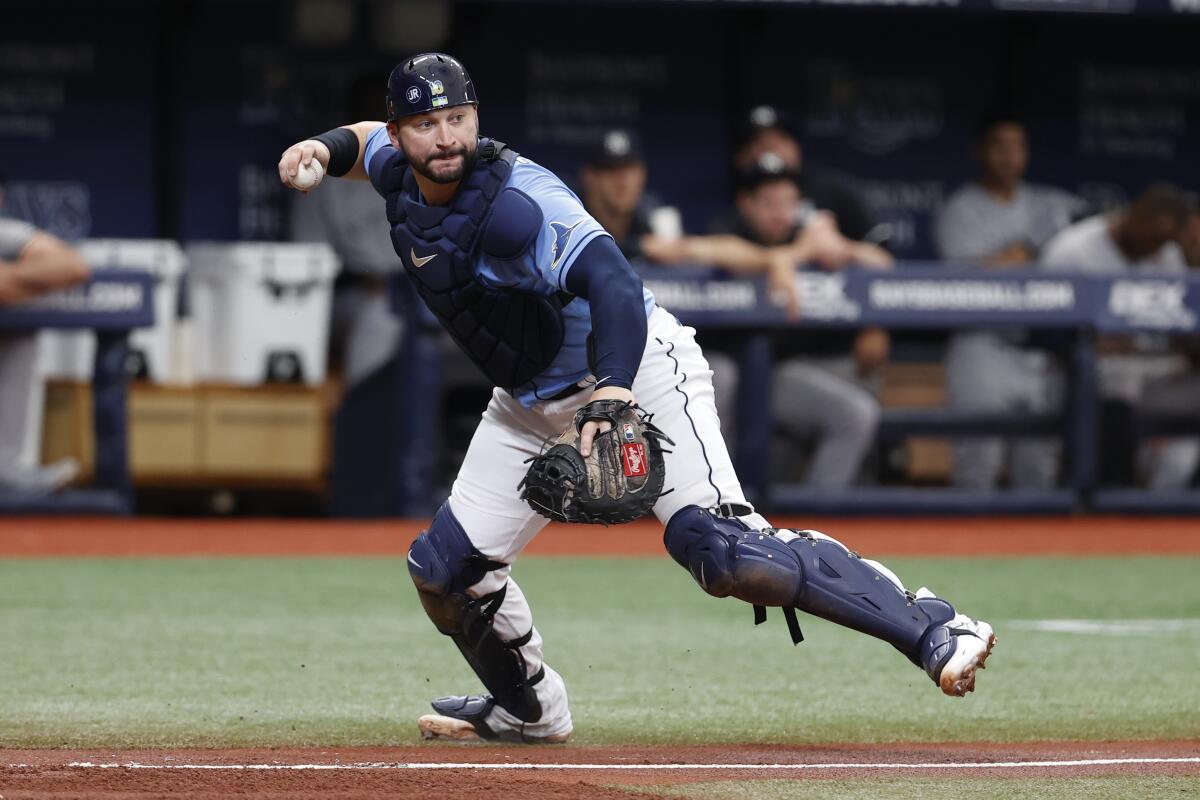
[40,537]
[506,772]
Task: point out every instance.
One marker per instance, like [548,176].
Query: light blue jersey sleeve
[566,227]
[376,154]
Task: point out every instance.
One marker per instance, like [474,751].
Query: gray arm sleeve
[14,235]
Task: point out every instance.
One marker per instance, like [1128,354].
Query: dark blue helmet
[426,83]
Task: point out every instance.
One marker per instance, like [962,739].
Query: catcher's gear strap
[733,510]
[805,570]
[602,276]
[444,564]
[343,150]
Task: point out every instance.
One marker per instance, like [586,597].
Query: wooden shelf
[275,436]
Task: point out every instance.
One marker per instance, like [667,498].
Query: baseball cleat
[462,719]
[953,650]
[435,726]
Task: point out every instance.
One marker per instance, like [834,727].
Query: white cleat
[955,649]
[973,642]
[435,726]
[463,718]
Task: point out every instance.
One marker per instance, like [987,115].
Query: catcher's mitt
[618,482]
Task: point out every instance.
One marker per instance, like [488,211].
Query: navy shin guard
[801,570]
[444,564]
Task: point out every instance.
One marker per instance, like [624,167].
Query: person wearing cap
[613,182]
[767,130]
[773,230]
[824,383]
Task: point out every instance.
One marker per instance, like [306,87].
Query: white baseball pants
[675,384]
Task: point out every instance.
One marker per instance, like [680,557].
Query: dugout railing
[913,296]
[386,468]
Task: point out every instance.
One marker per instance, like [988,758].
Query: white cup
[666,223]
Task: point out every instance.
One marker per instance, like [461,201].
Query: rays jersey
[541,268]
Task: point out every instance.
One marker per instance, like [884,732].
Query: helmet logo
[436,88]
[413,94]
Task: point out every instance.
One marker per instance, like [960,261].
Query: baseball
[308,177]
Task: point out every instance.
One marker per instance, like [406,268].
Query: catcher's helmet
[426,83]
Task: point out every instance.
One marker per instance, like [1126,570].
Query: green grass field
[226,652]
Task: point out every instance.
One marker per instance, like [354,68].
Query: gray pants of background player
[365,329]
[1170,464]
[987,373]
[811,398]
[18,357]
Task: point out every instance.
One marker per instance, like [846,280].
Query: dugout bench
[914,296]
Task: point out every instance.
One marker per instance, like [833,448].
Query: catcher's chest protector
[512,335]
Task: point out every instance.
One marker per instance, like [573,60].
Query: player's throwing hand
[296,167]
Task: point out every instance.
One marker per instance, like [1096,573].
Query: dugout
[194,100]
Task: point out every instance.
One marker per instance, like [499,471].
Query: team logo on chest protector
[562,237]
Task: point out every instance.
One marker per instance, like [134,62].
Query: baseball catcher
[538,295]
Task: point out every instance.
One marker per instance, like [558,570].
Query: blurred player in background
[1144,370]
[613,181]
[766,129]
[32,262]
[1173,464]
[824,382]
[1189,240]
[541,298]
[998,221]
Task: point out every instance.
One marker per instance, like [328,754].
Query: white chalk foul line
[383,765]
[1110,627]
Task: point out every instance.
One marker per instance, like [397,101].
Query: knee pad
[444,564]
[728,558]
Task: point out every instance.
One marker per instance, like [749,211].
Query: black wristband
[343,150]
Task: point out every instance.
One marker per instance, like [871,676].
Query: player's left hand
[619,481]
[593,427]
